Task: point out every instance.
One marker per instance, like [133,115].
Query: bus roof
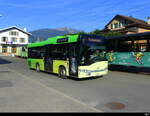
[56,40]
[62,40]
[145,35]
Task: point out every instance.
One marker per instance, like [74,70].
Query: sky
[83,15]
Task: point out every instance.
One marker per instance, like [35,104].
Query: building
[127,25]
[12,37]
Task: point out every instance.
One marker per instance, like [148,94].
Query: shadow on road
[72,78]
[130,69]
[3,61]
[85,79]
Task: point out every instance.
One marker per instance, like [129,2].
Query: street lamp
[1,15]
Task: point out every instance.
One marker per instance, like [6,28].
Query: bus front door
[48,64]
[73,67]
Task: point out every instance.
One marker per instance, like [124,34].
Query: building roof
[132,19]
[14,27]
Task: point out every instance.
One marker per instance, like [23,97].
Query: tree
[110,34]
[105,34]
[96,32]
[82,32]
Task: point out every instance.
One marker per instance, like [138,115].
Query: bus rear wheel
[37,67]
[62,73]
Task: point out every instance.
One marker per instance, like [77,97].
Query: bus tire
[62,73]
[37,67]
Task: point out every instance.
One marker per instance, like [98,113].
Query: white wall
[21,35]
[8,49]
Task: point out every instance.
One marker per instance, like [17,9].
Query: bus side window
[112,45]
[60,52]
[125,46]
[73,50]
[141,45]
[38,52]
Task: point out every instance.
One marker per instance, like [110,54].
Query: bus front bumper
[94,70]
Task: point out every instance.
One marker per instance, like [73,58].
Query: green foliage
[82,32]
[106,34]
[110,34]
[96,32]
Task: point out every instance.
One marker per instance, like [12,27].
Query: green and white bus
[22,52]
[129,52]
[77,55]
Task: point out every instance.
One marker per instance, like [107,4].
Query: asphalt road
[24,90]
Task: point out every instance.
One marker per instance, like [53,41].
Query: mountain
[43,34]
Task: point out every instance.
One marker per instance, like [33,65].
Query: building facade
[127,25]
[11,38]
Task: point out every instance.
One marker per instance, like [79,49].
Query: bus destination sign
[61,40]
[94,40]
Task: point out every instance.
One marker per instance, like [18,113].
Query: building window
[112,26]
[14,33]
[22,40]
[116,25]
[120,25]
[4,49]
[4,39]
[13,49]
[124,23]
[14,39]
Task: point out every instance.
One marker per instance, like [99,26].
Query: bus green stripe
[53,40]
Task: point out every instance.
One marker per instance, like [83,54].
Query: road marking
[55,91]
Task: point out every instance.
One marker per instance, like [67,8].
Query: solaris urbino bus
[129,52]
[78,56]
[22,52]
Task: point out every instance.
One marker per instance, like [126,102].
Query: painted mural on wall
[129,58]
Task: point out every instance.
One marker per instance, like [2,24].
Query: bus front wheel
[62,73]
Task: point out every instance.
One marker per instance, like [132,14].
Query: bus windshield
[91,53]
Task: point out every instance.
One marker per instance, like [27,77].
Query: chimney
[148,20]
